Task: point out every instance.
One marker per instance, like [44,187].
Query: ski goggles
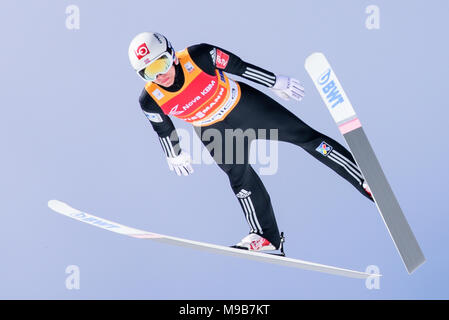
[160,65]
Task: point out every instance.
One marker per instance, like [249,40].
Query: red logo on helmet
[142,51]
[222,59]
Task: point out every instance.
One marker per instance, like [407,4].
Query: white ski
[66,210]
[350,127]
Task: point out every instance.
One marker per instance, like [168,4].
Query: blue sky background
[71,129]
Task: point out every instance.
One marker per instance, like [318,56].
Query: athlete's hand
[181,164]
[286,88]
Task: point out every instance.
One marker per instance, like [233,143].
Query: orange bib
[202,100]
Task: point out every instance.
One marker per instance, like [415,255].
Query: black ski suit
[256,111]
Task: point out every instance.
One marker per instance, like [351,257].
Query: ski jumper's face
[166,79]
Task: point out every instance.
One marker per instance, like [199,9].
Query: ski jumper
[204,96]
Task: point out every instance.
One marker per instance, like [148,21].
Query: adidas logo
[243,194]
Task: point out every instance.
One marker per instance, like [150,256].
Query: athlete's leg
[244,181]
[257,110]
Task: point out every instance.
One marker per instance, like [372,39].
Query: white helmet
[150,48]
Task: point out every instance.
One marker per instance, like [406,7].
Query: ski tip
[60,207]
[313,58]
[53,203]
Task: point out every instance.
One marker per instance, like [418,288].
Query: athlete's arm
[161,123]
[177,160]
[209,58]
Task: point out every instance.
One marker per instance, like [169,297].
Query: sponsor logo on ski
[324,148]
[142,51]
[329,88]
[94,220]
